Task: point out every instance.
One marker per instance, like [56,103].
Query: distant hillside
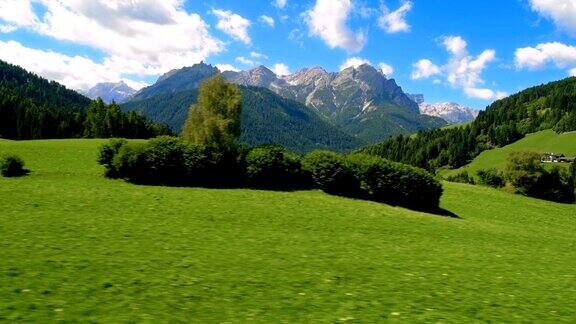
[33,107]
[550,106]
[546,141]
[266,118]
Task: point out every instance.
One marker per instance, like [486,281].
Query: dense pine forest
[34,108]
[549,106]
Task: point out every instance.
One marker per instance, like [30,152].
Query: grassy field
[541,142]
[76,247]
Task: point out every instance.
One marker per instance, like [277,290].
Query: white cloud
[257,55]
[233,24]
[327,20]
[76,72]
[462,70]
[245,61]
[358,61]
[140,37]
[227,67]
[562,12]
[485,94]
[17,12]
[7,28]
[267,20]
[572,72]
[354,62]
[455,45]
[395,21]
[532,58]
[279,3]
[424,69]
[386,69]
[281,69]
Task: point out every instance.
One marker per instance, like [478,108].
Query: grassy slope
[541,142]
[75,246]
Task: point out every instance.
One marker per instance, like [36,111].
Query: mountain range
[360,103]
[451,112]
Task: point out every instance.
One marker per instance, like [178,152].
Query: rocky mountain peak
[111,91]
[451,112]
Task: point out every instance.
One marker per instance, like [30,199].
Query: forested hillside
[550,106]
[33,108]
[266,118]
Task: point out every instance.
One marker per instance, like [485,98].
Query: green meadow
[76,247]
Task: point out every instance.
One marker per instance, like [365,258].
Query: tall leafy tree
[214,121]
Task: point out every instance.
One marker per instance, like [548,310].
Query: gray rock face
[352,92]
[110,91]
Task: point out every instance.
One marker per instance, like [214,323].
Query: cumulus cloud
[257,55]
[561,12]
[281,69]
[424,69]
[76,72]
[328,20]
[267,20]
[395,21]
[227,67]
[354,62]
[532,58]
[7,28]
[233,24]
[245,60]
[386,69]
[17,13]
[462,69]
[137,37]
[358,61]
[279,3]
[485,94]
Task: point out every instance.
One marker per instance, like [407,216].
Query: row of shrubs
[12,166]
[526,175]
[172,161]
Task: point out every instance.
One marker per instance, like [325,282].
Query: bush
[168,160]
[130,163]
[461,177]
[273,167]
[107,153]
[12,166]
[395,183]
[330,173]
[491,177]
[528,176]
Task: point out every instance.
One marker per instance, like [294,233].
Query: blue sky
[470,52]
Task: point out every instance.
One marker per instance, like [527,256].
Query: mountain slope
[110,92]
[266,118]
[187,78]
[549,106]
